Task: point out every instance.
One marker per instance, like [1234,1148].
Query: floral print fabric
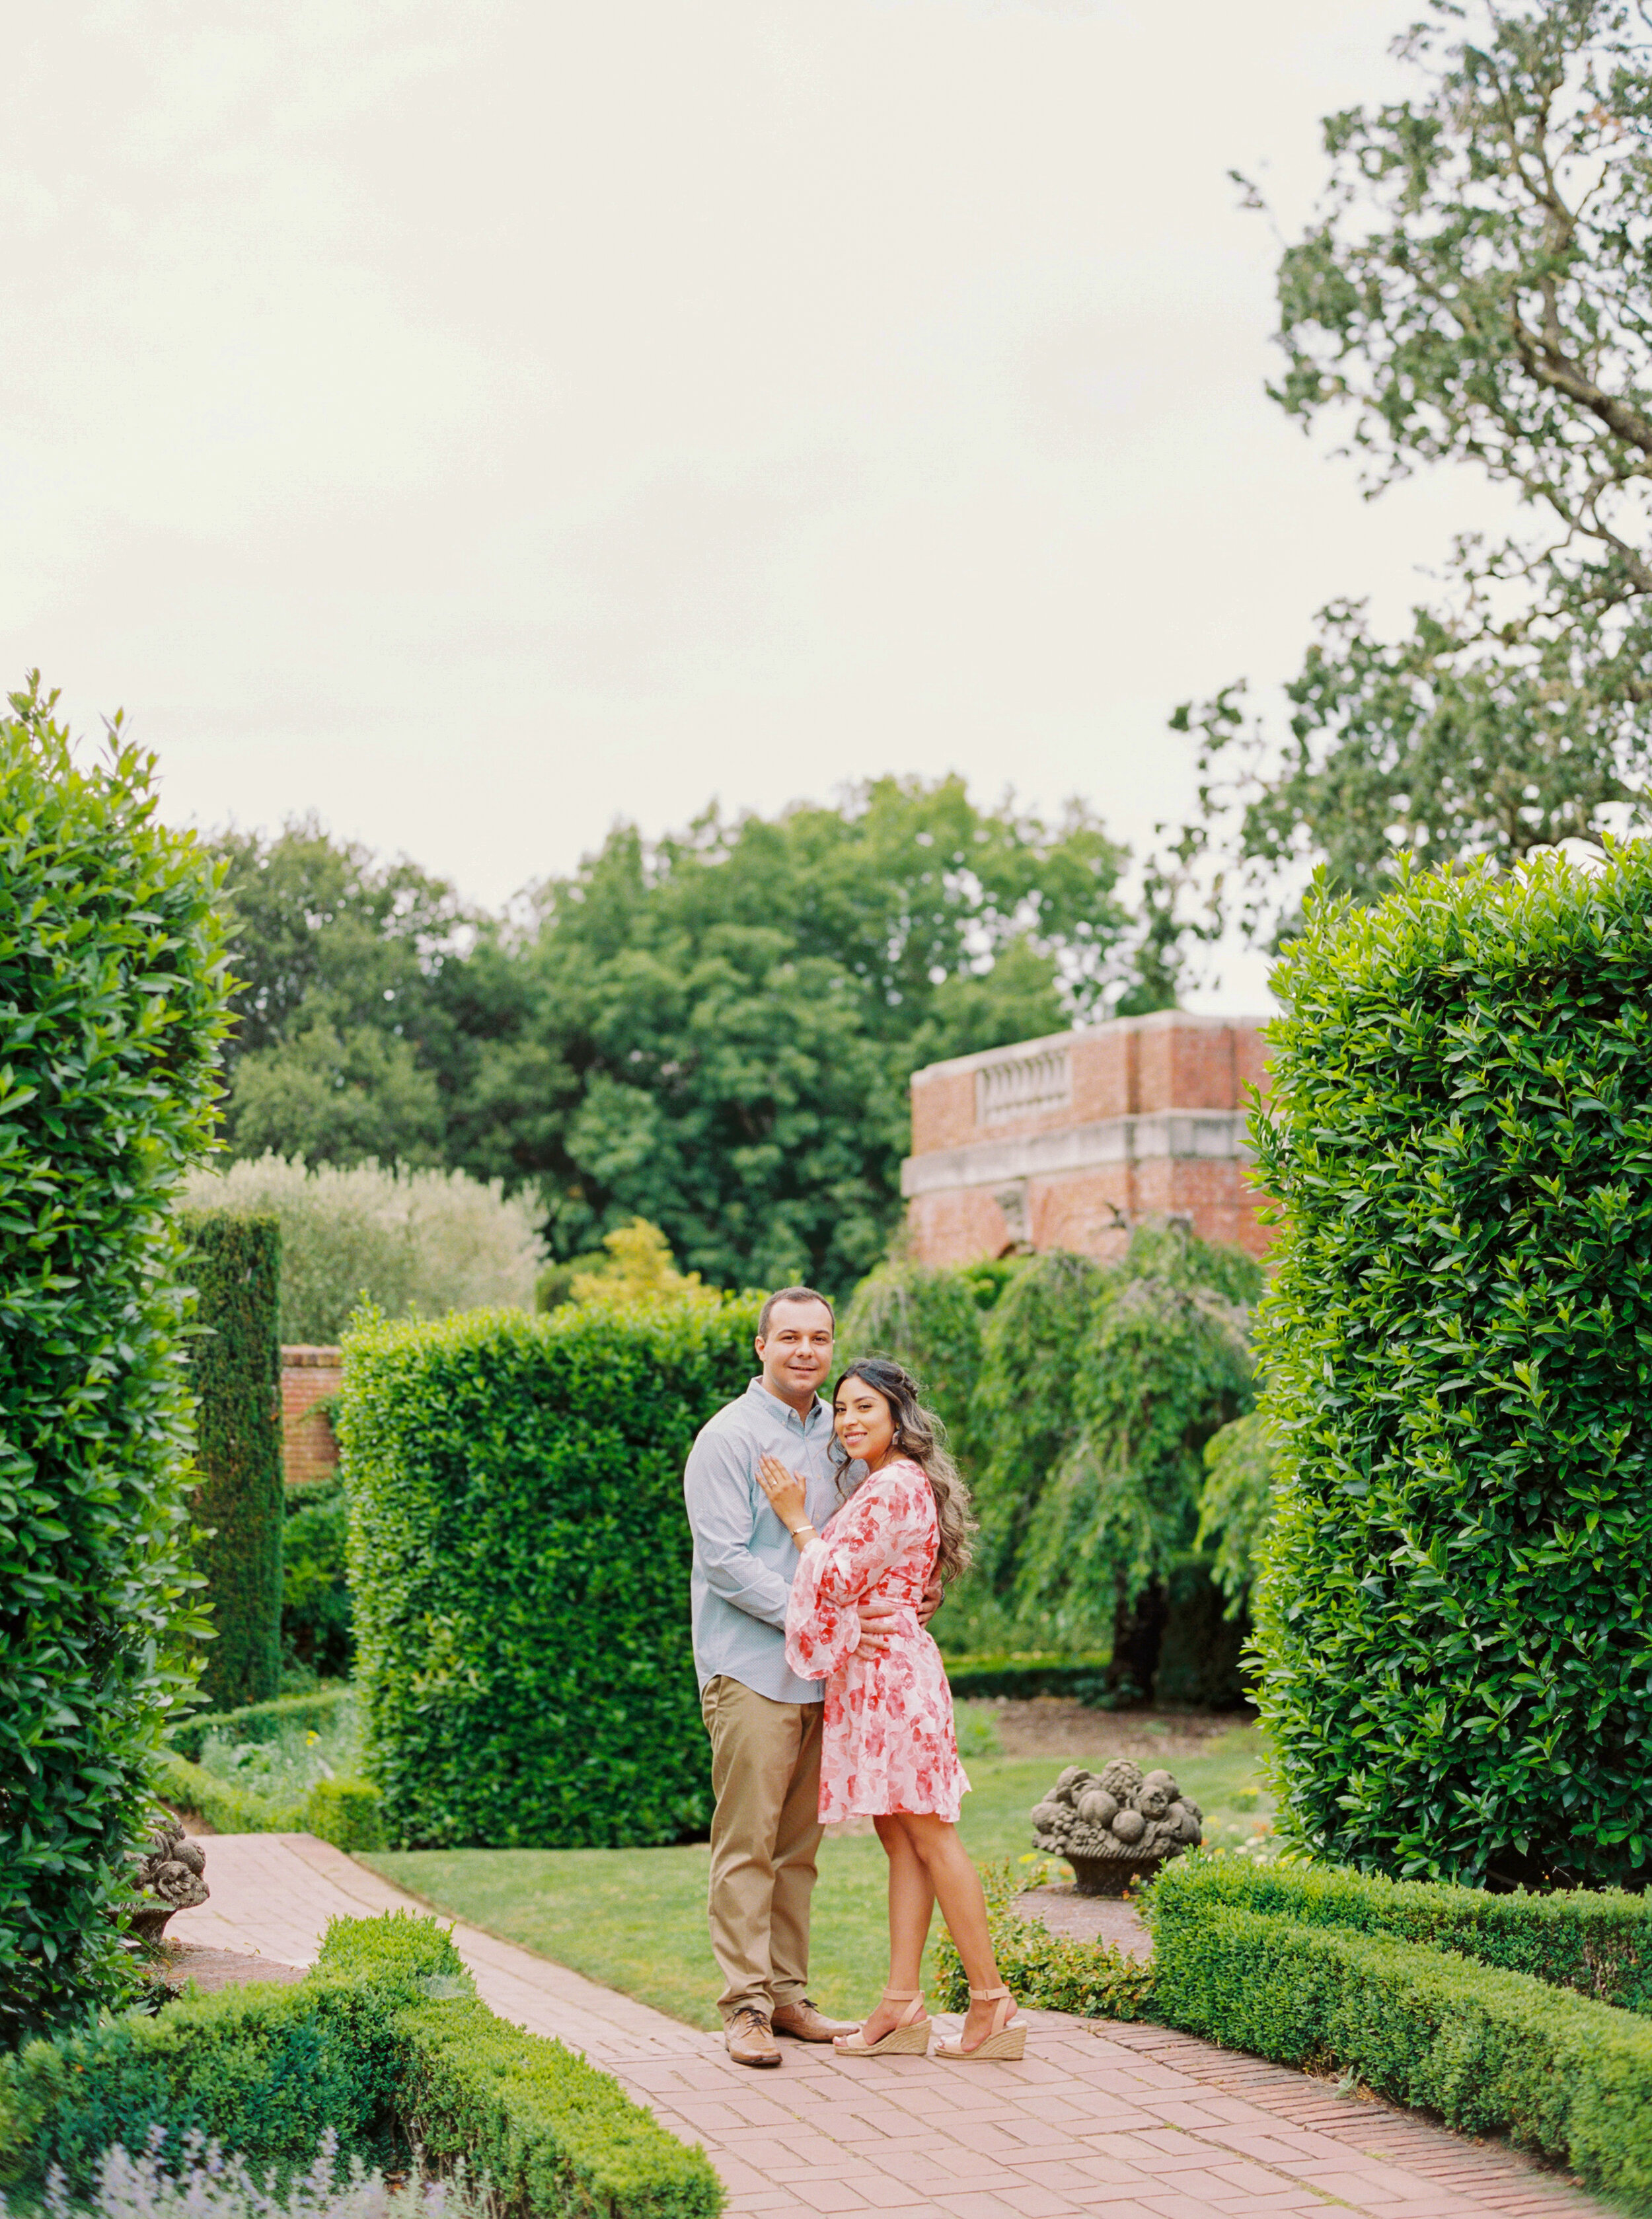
[887,1742]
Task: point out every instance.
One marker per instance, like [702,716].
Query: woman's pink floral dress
[887,1742]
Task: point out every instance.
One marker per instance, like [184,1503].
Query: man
[763,1720]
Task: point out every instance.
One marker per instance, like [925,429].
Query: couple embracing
[823,1536]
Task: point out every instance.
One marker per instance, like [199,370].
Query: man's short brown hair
[793,1295]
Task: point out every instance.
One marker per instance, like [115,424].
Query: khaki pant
[765,1836]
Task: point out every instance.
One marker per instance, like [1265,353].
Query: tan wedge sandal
[1007,2041]
[908,2038]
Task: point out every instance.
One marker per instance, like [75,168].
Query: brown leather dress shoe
[805,2023]
[747,2040]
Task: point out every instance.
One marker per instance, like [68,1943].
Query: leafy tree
[424,1242]
[344,1039]
[1099,1386]
[715,1033]
[1476,288]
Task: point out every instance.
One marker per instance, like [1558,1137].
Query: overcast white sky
[478,421]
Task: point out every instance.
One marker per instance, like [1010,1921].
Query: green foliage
[716,1033]
[259,1722]
[1455,1611]
[1048,1972]
[1027,1395]
[713,1033]
[635,1265]
[1099,1388]
[930,1320]
[1236,1502]
[112,993]
[316,1631]
[1051,1971]
[1599,1944]
[426,1241]
[1019,1679]
[519,1559]
[1490,2052]
[240,1508]
[1475,289]
[552,2132]
[383,2041]
[347,1811]
[346,1028]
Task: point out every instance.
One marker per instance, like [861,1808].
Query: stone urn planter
[1115,1826]
[168,1872]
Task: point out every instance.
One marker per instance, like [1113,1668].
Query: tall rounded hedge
[240,1505]
[1454,1616]
[112,1001]
[519,1558]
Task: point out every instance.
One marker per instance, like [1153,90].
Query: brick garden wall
[308,1375]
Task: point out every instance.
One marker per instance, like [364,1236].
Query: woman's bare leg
[911,1907]
[957,1888]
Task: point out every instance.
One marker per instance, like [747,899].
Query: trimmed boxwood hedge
[258,1722]
[347,1812]
[519,1558]
[1455,1611]
[240,1505]
[1490,2052]
[112,1004]
[1599,1944]
[385,2040]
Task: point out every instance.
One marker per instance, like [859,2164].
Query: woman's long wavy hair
[919,1437]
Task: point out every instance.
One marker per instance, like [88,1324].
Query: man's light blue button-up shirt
[743,1556]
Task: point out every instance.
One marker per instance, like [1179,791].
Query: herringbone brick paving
[1103,2121]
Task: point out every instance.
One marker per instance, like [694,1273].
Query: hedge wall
[111,1006]
[519,1558]
[240,1505]
[1455,1611]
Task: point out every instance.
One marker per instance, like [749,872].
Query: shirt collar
[817,1409]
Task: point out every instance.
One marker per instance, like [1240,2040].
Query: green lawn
[635,1920]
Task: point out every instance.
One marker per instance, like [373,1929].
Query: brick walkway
[1106,2121]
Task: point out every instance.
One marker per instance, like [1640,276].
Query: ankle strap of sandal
[904,1995]
[987,1995]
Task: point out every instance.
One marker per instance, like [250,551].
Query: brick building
[1068,1142]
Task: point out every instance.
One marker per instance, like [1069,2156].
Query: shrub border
[387,2019]
[1591,1943]
[1487,2051]
[346,1813]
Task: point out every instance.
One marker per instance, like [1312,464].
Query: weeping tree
[1100,1387]
[931,1319]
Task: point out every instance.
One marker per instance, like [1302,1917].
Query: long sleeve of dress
[874,1529]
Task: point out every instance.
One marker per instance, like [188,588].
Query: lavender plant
[206,2184]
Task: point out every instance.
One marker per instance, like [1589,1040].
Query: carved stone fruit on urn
[1115,1826]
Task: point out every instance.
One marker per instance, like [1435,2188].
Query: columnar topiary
[111,1006]
[234,1263]
[1456,1608]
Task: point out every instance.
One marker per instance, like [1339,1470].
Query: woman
[888,1749]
